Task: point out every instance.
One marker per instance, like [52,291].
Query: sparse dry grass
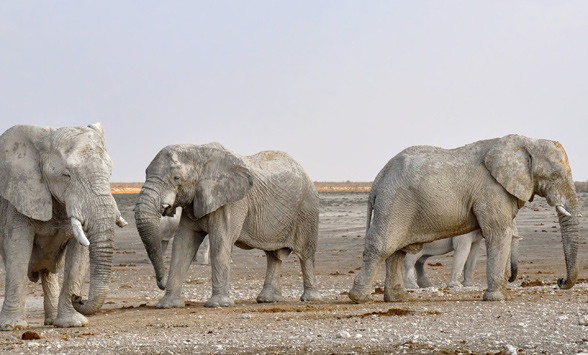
[321,186]
[347,186]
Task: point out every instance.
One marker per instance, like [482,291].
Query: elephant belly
[265,238]
[49,246]
[438,247]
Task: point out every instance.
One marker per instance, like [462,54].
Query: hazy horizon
[342,86]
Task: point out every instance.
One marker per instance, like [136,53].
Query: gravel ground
[540,319]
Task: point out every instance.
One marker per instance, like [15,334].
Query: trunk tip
[565,284]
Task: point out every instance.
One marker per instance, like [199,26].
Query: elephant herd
[57,211]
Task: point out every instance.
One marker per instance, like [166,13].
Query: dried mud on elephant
[540,319]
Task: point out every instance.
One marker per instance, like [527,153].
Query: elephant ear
[223,178]
[100,130]
[21,179]
[510,164]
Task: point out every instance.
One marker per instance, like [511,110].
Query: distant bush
[582,186]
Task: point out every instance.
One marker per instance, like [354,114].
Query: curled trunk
[98,218]
[570,234]
[100,273]
[147,217]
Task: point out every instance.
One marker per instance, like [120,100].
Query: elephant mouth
[168,210]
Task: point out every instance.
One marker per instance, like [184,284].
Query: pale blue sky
[341,85]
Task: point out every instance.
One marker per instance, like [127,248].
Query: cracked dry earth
[540,319]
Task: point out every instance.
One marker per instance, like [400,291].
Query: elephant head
[525,167]
[204,177]
[43,170]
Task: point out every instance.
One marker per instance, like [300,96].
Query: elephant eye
[177,179]
[554,175]
[66,175]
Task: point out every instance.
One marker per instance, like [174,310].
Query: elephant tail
[370,208]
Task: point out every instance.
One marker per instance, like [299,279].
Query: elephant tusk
[514,236]
[562,210]
[121,222]
[78,232]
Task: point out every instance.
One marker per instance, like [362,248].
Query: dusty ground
[540,319]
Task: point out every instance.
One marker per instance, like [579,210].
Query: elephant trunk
[147,217]
[514,259]
[570,235]
[100,230]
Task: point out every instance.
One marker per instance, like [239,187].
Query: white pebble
[510,350]
[246,316]
[584,320]
[343,334]
[358,336]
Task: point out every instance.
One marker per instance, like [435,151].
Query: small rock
[343,334]
[358,336]
[218,347]
[584,320]
[246,316]
[510,350]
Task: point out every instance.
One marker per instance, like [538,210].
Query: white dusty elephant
[54,189]
[167,230]
[265,201]
[466,247]
[427,193]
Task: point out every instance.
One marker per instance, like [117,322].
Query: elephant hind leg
[272,291]
[311,292]
[377,248]
[394,287]
[50,283]
[422,278]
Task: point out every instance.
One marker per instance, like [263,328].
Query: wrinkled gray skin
[265,201]
[167,230]
[466,247]
[427,193]
[50,181]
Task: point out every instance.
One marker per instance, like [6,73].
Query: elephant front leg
[409,270]
[76,267]
[462,251]
[470,265]
[184,248]
[394,290]
[50,282]
[272,291]
[220,261]
[498,250]
[18,246]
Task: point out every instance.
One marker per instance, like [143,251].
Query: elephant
[167,229]
[466,247]
[426,193]
[56,208]
[264,201]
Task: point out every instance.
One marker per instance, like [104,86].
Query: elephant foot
[424,283]
[454,284]
[49,320]
[359,297]
[269,295]
[467,283]
[310,294]
[219,301]
[497,296]
[13,324]
[396,294]
[170,302]
[410,284]
[71,320]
